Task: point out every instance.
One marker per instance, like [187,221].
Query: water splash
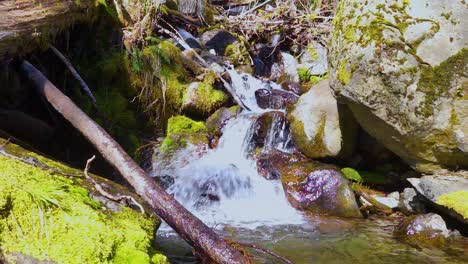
[223,186]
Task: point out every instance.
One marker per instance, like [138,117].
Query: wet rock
[272,161]
[319,188]
[410,203]
[428,229]
[315,123]
[413,101]
[218,40]
[294,87]
[216,122]
[275,98]
[285,69]
[448,191]
[271,130]
[264,57]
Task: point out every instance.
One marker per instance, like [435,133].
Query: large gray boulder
[401,67]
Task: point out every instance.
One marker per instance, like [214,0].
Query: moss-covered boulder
[185,140]
[315,124]
[50,216]
[412,99]
[201,98]
[447,191]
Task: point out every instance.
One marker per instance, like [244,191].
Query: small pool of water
[327,240]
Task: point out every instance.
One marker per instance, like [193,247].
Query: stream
[224,189]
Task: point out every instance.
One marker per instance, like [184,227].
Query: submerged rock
[447,191]
[428,229]
[51,217]
[315,124]
[275,98]
[318,188]
[411,99]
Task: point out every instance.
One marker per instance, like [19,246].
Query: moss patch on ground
[458,201]
[51,217]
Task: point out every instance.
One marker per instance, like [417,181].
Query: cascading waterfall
[223,186]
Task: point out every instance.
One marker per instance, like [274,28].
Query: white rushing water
[223,187]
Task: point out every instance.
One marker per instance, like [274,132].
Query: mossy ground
[458,201]
[51,217]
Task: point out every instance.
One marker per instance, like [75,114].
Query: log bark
[26,24]
[189,227]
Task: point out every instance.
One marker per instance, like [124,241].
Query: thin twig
[75,74]
[100,189]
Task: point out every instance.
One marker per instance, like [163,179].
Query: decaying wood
[189,227]
[24,24]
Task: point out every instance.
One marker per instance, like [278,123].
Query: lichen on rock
[410,98]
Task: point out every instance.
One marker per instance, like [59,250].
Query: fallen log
[189,227]
[26,25]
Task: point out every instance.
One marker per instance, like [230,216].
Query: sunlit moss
[458,201]
[181,130]
[50,217]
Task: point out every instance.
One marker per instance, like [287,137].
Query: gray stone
[315,124]
[443,183]
[314,58]
[410,203]
[410,98]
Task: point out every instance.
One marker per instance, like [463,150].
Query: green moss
[313,52]
[50,217]
[171,50]
[368,177]
[180,131]
[344,75]
[306,77]
[436,81]
[351,174]
[205,99]
[237,53]
[182,124]
[458,201]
